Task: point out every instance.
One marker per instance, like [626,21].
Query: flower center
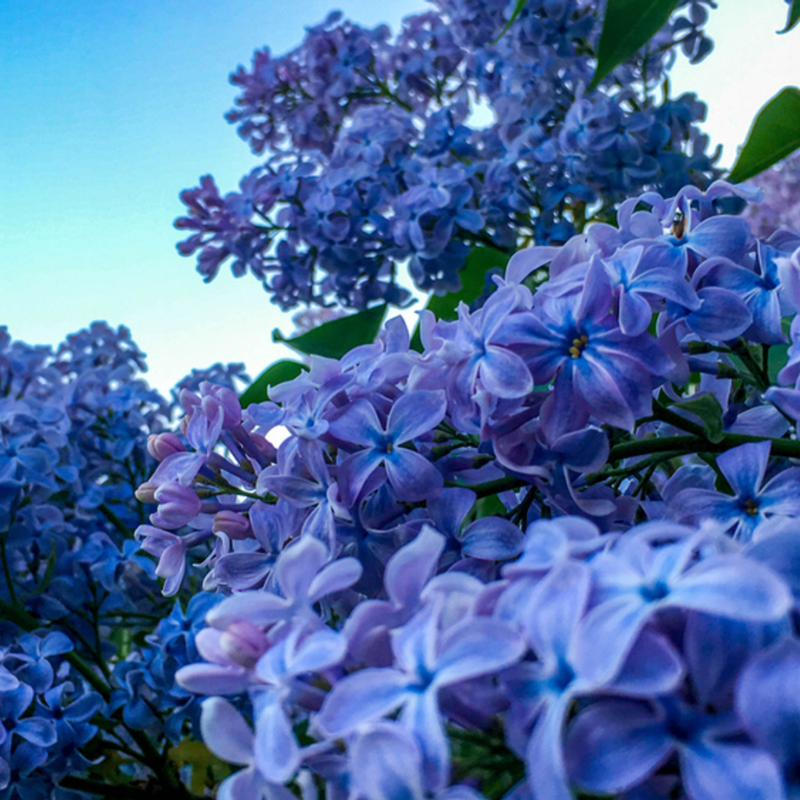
[654,592]
[679,226]
[578,346]
[751,507]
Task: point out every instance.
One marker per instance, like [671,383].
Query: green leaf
[473,278]
[774,134]
[779,353]
[207,769]
[490,506]
[708,409]
[520,4]
[793,18]
[279,372]
[121,637]
[339,336]
[627,26]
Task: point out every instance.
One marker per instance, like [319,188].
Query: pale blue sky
[110,108]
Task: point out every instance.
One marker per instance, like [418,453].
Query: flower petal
[225,732]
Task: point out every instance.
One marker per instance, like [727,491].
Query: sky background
[111,107]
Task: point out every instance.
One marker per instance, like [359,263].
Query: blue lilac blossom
[78,604]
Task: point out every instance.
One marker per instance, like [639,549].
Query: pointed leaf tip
[335,338]
[774,134]
[627,26]
[793,18]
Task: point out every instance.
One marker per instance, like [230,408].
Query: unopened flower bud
[244,642]
[189,401]
[161,445]
[235,525]
[177,505]
[230,405]
[266,447]
[146,493]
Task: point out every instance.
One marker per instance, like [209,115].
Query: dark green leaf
[473,278]
[520,4]
[779,354]
[774,134]
[339,336]
[708,409]
[123,640]
[488,507]
[793,18]
[627,26]
[279,372]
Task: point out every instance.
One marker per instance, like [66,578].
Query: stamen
[578,346]
[679,226]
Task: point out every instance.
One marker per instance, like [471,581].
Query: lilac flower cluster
[377,157]
[76,600]
[779,209]
[44,715]
[555,551]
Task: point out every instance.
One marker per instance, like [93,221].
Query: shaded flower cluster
[76,600]
[45,710]
[377,154]
[779,208]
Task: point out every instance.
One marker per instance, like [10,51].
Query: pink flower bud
[189,401]
[146,493]
[226,398]
[177,505]
[235,525]
[265,446]
[244,643]
[161,445]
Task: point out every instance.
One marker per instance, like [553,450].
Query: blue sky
[111,108]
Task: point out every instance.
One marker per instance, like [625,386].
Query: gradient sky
[111,108]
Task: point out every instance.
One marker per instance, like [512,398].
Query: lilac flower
[744,468]
[478,343]
[721,236]
[639,286]
[303,576]
[276,750]
[229,737]
[411,475]
[542,691]
[374,158]
[637,581]
[38,731]
[386,764]
[598,371]
[407,572]
[427,661]
[759,288]
[615,744]
[35,668]
[202,432]
[768,706]
[171,551]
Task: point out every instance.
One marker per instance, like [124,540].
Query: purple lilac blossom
[372,158]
